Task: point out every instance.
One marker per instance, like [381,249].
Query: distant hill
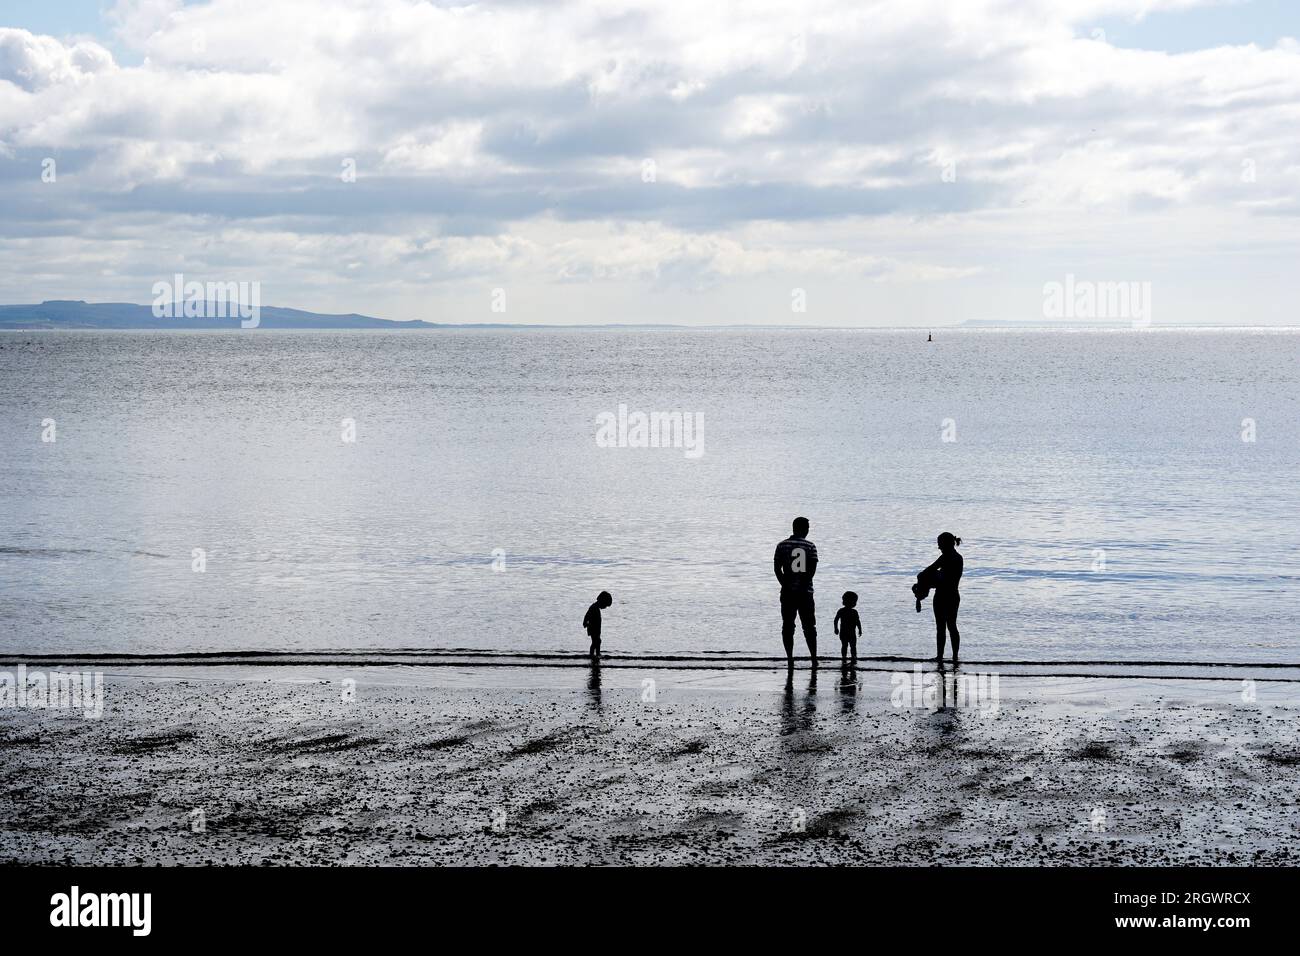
[76,314]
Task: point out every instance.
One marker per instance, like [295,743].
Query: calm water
[466,442]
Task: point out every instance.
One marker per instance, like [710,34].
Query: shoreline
[545,657]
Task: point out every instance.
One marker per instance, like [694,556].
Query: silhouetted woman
[947,572]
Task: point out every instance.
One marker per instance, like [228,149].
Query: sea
[1121,495]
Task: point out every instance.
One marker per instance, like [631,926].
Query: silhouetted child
[848,626]
[591,621]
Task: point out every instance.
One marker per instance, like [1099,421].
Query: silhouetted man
[795,563]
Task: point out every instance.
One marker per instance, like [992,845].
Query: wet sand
[522,766]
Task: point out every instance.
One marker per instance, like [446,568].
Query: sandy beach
[390,765]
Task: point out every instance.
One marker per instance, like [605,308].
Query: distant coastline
[77,314]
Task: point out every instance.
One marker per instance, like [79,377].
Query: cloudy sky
[902,163]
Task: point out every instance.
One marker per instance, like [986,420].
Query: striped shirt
[795,563]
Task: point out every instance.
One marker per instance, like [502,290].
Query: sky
[852,163]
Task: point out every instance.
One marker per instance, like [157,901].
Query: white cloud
[446,147]
[34,63]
